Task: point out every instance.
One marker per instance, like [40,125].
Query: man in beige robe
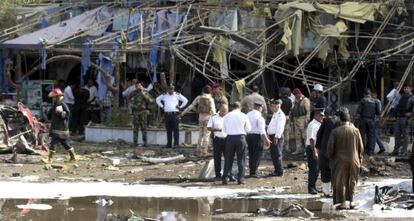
[345,151]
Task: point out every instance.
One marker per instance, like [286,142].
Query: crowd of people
[332,144]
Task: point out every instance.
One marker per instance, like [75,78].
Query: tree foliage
[8,13]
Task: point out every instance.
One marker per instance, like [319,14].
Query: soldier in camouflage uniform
[140,102]
[205,108]
[219,95]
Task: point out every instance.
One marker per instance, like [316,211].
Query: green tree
[8,13]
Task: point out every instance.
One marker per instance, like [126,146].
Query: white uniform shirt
[171,101]
[93,94]
[312,131]
[277,124]
[257,122]
[216,121]
[393,94]
[236,123]
[68,96]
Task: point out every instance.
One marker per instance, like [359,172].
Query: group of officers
[238,132]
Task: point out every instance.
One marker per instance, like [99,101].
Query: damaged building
[343,45]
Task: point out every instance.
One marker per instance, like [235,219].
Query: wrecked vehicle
[21,132]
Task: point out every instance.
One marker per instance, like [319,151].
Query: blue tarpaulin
[86,60]
[166,19]
[44,22]
[106,64]
[43,54]
[85,23]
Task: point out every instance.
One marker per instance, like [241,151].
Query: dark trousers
[219,145]
[55,140]
[313,169]
[276,152]
[171,124]
[401,130]
[377,137]
[367,129]
[324,168]
[235,144]
[255,146]
[80,119]
[71,118]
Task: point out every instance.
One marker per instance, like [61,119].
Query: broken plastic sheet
[85,22]
[86,59]
[165,19]
[43,55]
[238,90]
[106,64]
[352,11]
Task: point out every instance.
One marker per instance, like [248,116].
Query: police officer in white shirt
[170,103]
[256,136]
[215,125]
[236,125]
[69,100]
[275,130]
[312,151]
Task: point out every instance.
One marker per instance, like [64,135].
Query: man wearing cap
[367,111]
[170,103]
[215,125]
[404,111]
[319,100]
[59,126]
[312,153]
[140,102]
[275,131]
[247,102]
[300,116]
[345,152]
[256,136]
[236,125]
[286,107]
[219,95]
[205,108]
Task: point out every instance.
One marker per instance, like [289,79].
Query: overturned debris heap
[393,197]
[20,132]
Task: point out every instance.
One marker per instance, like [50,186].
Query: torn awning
[63,30]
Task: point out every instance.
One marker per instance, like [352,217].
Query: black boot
[72,155]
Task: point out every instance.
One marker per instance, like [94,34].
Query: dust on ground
[99,162]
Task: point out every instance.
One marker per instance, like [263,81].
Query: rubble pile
[380,166]
[390,197]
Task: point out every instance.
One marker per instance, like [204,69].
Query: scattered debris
[285,212]
[112,168]
[136,170]
[303,166]
[292,165]
[154,160]
[208,170]
[109,152]
[35,206]
[104,202]
[393,197]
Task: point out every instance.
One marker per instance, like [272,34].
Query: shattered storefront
[350,45]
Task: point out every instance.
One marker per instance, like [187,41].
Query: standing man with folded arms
[170,103]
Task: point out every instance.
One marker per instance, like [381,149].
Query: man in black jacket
[404,110]
[327,126]
[59,128]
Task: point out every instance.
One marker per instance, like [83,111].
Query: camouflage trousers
[286,136]
[204,135]
[300,133]
[140,122]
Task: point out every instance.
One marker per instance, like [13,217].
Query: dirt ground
[95,164]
